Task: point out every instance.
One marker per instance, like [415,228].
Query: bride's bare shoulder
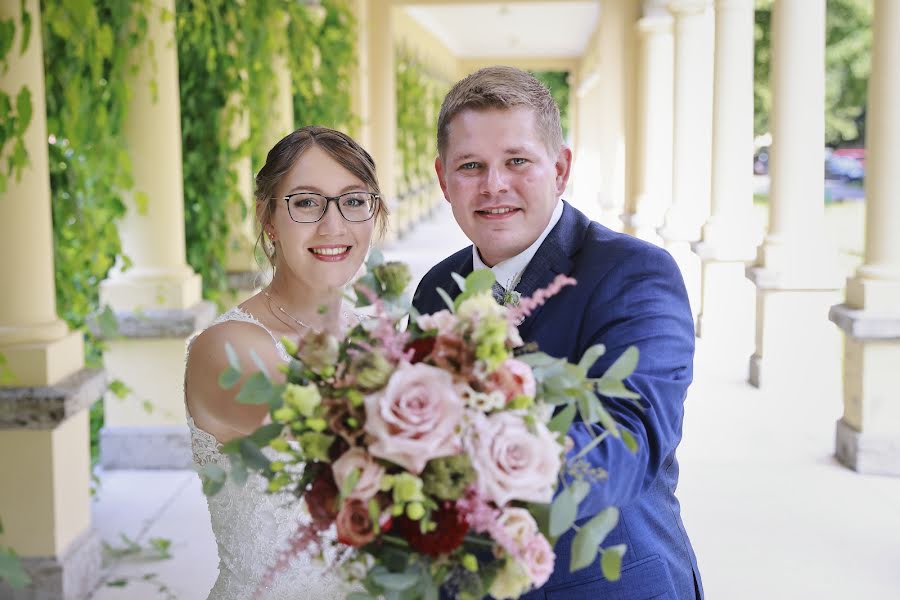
[209,348]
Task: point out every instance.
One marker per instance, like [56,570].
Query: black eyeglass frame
[328,199]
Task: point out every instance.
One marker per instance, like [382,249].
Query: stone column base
[147,447]
[72,575]
[867,453]
[796,345]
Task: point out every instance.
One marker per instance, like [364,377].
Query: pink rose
[511,462]
[415,418]
[513,378]
[537,557]
[443,321]
[370,473]
[516,527]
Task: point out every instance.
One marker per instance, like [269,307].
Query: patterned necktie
[499,292]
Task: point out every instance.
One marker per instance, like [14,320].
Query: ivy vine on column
[15,114]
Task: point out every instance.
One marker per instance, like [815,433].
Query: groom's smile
[501,179]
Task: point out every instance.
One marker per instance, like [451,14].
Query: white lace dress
[252,527]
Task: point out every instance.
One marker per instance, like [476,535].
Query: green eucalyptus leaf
[590,357]
[229,378]
[480,280]
[611,561]
[629,439]
[252,455]
[565,507]
[591,535]
[624,365]
[447,299]
[266,433]
[562,421]
[256,390]
[614,388]
[212,477]
[396,582]
[232,357]
[460,282]
[11,569]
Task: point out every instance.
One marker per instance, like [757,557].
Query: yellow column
[45,469]
[692,137]
[359,87]
[158,300]
[868,435]
[654,129]
[381,92]
[730,236]
[794,273]
[280,119]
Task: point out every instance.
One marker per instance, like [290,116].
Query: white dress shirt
[509,271]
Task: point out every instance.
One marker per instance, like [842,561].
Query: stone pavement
[769,511]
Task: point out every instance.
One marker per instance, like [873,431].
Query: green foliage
[848,42]
[558,83]
[11,570]
[419,95]
[15,113]
[322,50]
[87,96]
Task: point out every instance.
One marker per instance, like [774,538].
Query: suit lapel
[554,256]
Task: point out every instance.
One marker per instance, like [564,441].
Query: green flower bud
[317,425]
[279,445]
[397,510]
[415,511]
[356,398]
[446,478]
[520,402]
[393,276]
[372,370]
[302,398]
[319,351]
[470,563]
[387,482]
[276,465]
[289,345]
[284,414]
[315,445]
[407,488]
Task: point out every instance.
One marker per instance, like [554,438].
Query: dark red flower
[451,529]
[322,497]
[421,348]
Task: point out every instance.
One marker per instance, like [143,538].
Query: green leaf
[26,29]
[611,561]
[591,445]
[460,282]
[117,583]
[350,482]
[624,365]
[232,357]
[229,378]
[614,388]
[141,203]
[256,390]
[375,258]
[562,421]
[447,299]
[480,280]
[238,469]
[253,456]
[23,108]
[148,406]
[588,539]
[265,434]
[565,507]
[396,582]
[590,357]
[212,477]
[541,514]
[11,569]
[630,441]
[258,362]
[108,323]
[119,389]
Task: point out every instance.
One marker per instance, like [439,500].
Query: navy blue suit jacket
[629,292]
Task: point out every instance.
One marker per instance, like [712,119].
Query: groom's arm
[642,302]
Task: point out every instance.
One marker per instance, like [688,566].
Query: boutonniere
[511,298]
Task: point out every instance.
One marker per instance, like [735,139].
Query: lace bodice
[252,527]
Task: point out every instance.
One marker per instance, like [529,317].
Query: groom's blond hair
[501,87]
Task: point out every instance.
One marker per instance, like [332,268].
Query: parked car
[845,168]
[761,161]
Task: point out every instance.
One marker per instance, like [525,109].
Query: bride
[315,249]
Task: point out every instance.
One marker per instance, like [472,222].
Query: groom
[503,168]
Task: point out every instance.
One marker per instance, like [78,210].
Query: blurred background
[755,140]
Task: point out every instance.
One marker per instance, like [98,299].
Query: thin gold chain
[287,314]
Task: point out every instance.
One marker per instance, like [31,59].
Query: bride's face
[328,253]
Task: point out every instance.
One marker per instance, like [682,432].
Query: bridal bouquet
[433,445]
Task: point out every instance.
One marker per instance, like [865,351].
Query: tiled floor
[769,511]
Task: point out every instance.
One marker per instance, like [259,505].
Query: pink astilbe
[392,342]
[307,539]
[527,305]
[478,513]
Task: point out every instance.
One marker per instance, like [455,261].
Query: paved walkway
[770,513]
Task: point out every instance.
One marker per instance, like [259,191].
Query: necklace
[287,314]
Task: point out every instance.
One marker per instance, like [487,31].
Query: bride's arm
[213,408]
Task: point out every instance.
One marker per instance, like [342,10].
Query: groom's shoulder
[607,245]
[451,264]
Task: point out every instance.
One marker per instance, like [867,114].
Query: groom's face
[501,179]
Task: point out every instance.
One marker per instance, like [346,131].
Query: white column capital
[654,25]
[688,8]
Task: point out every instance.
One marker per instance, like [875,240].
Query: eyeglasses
[309,207]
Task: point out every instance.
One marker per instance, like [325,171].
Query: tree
[848,43]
